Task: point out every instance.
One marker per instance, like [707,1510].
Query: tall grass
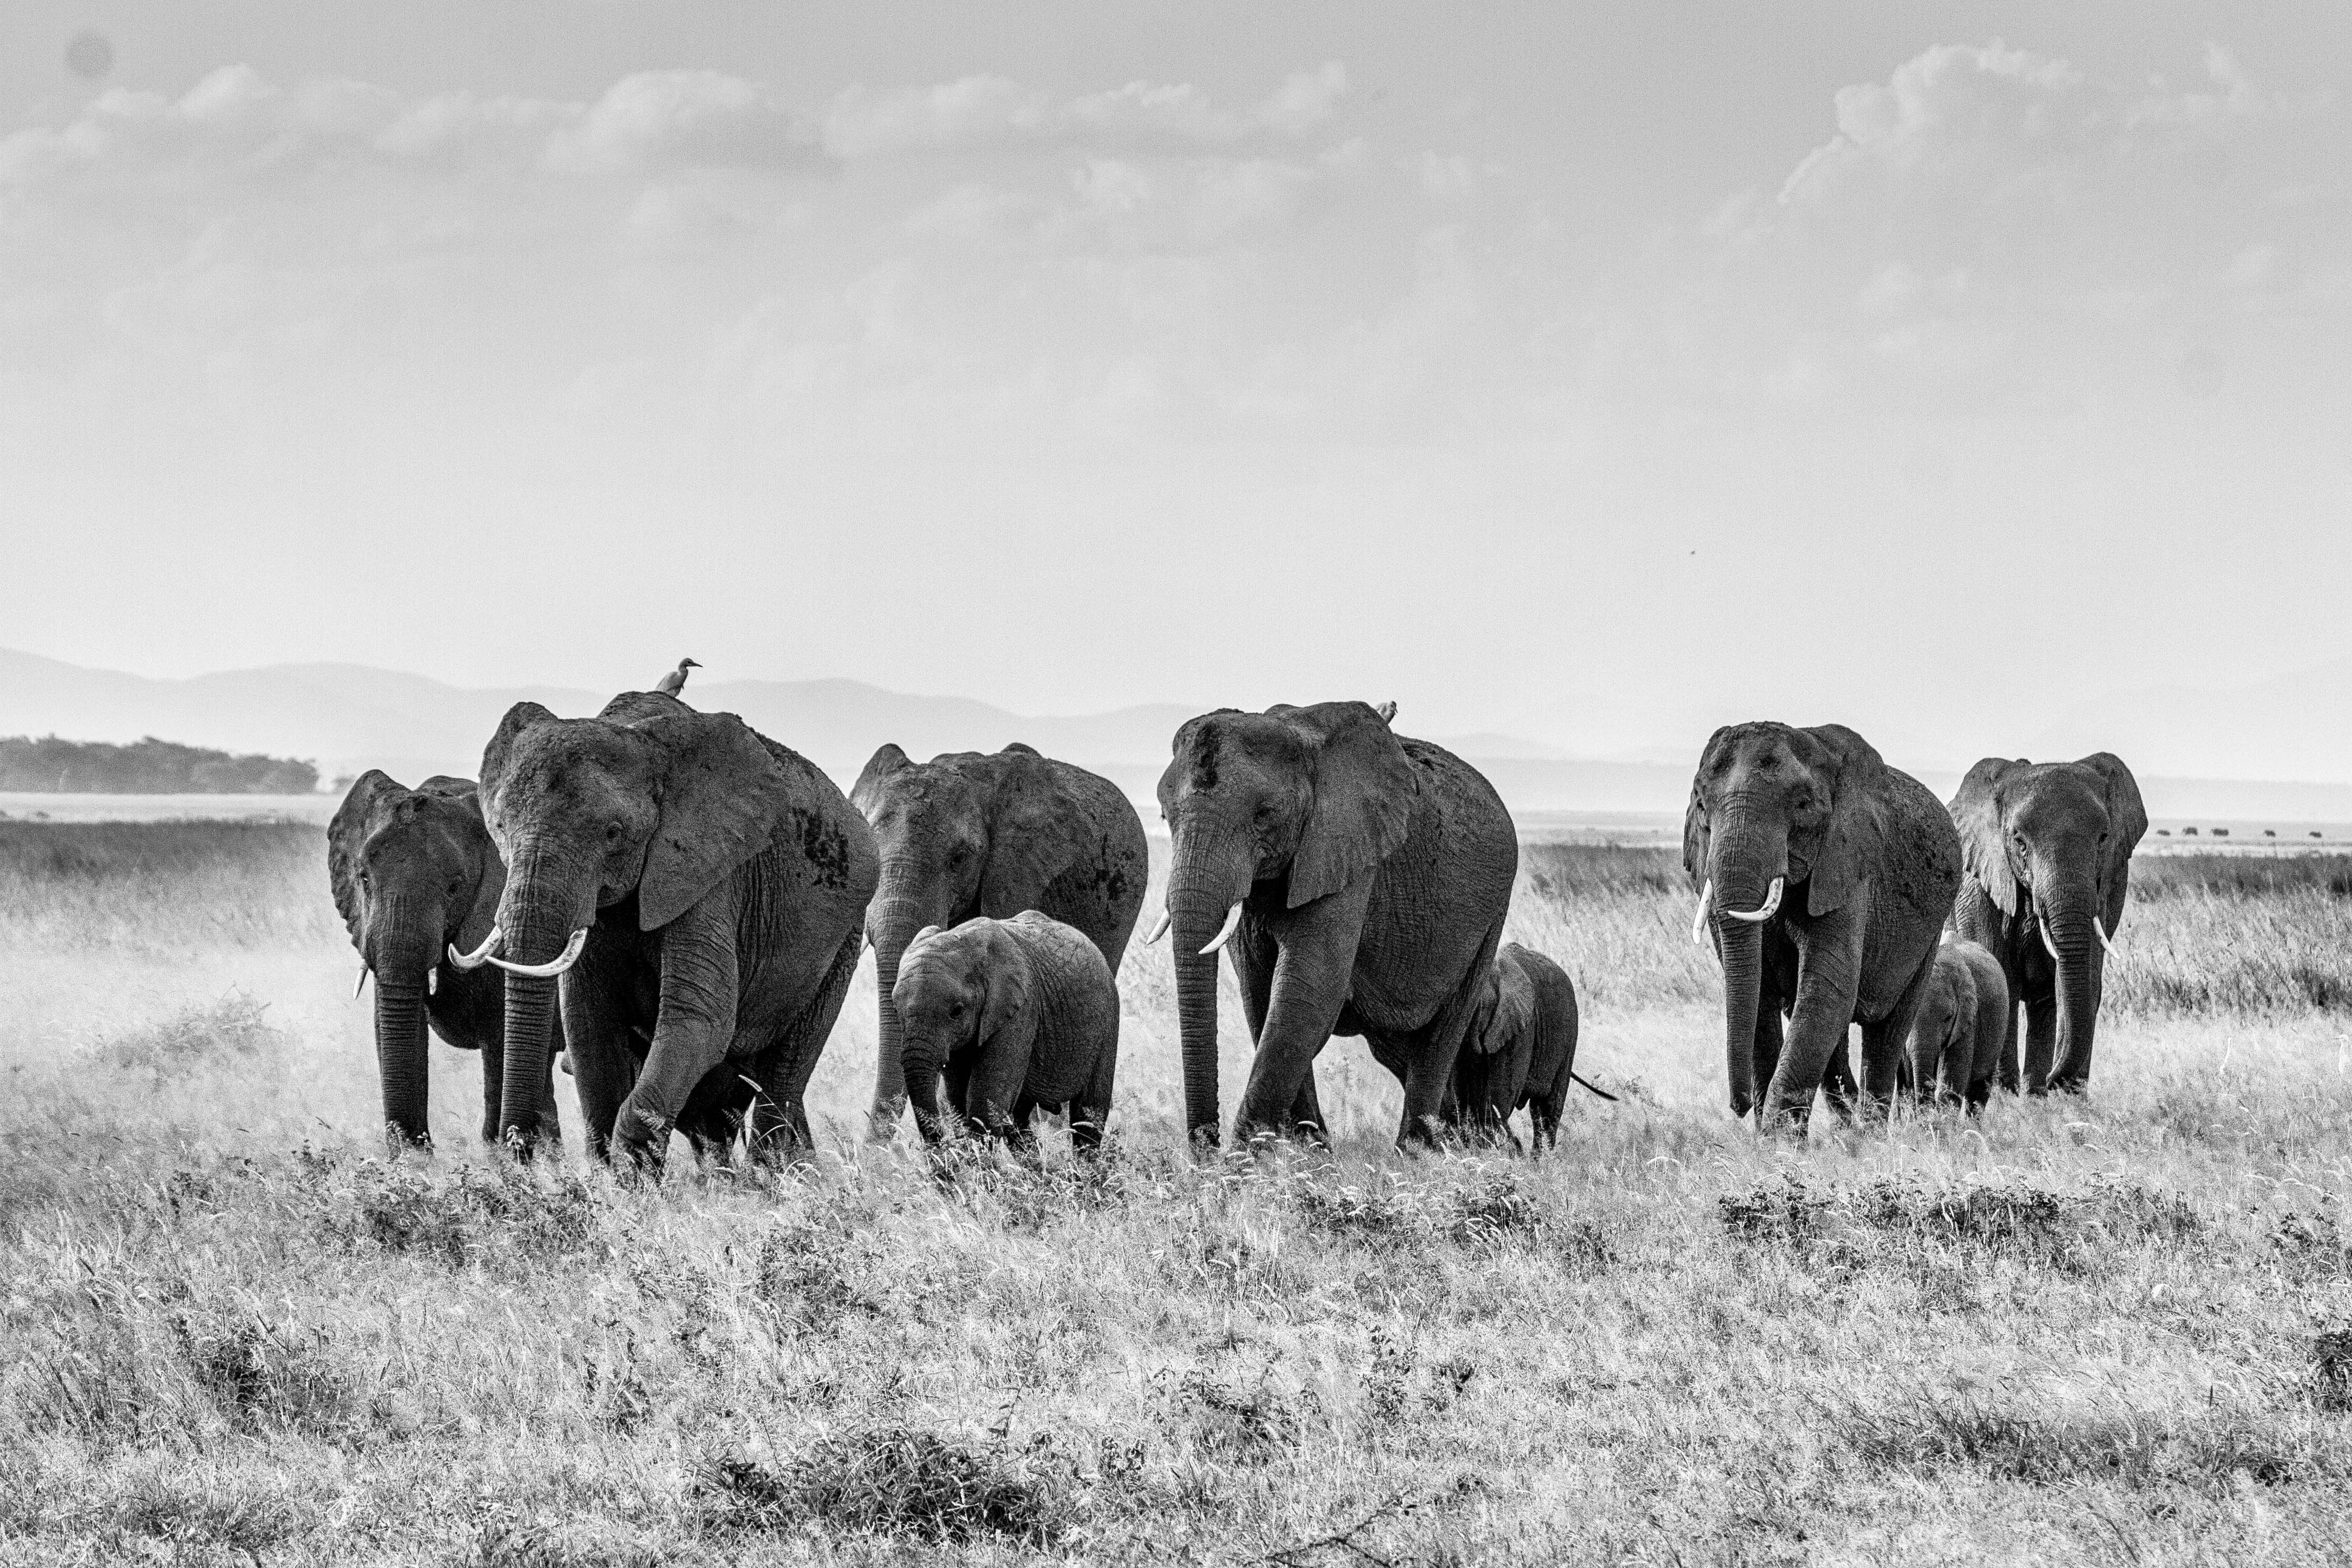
[2109,1328]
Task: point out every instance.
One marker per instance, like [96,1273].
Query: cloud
[979,113]
[698,118]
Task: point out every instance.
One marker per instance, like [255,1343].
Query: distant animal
[673,683]
[969,835]
[1519,1049]
[700,889]
[1013,1015]
[1358,880]
[2048,848]
[1956,1041]
[414,871]
[1825,878]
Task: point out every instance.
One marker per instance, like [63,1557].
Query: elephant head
[1783,824]
[2051,844]
[1943,1034]
[1492,1069]
[650,800]
[969,988]
[412,871]
[1294,804]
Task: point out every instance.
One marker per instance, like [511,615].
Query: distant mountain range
[348,717]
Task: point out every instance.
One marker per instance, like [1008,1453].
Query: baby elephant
[1016,1014]
[1521,1048]
[1956,1042]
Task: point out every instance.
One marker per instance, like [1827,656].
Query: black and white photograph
[1229,784]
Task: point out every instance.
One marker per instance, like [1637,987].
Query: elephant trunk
[891,922]
[538,920]
[1743,861]
[2081,981]
[1209,875]
[403,943]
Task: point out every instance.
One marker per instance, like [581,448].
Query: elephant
[1016,1014]
[701,892]
[1956,1040]
[1520,1048]
[1357,878]
[2046,850]
[1825,878]
[969,835]
[414,871]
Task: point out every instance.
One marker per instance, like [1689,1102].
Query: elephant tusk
[433,981]
[1698,920]
[2043,927]
[480,955]
[1159,928]
[569,955]
[1226,932]
[2099,926]
[361,985]
[1771,904]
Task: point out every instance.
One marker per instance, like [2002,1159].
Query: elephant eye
[366,880]
[612,832]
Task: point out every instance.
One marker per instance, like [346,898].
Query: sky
[1594,375]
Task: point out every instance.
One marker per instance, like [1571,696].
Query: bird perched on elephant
[1956,1040]
[2047,850]
[1825,878]
[700,892]
[1013,1015]
[1358,879]
[1520,1048]
[969,835]
[414,871]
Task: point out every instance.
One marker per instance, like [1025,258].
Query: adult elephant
[2048,848]
[968,836]
[700,889]
[414,871]
[1825,877]
[1359,881]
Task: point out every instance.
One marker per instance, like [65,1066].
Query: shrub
[897,1480]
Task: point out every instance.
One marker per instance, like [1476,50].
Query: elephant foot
[640,1144]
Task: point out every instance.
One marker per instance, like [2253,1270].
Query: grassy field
[2113,1329]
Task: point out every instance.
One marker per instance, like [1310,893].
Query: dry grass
[2118,1330]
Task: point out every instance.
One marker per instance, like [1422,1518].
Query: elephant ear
[2126,825]
[723,796]
[499,754]
[1010,987]
[867,792]
[1515,1006]
[372,797]
[1852,841]
[1695,829]
[1984,841]
[1362,791]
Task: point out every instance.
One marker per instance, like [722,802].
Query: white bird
[675,682]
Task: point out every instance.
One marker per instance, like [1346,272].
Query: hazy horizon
[1592,379]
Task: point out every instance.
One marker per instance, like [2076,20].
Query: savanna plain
[2115,1329]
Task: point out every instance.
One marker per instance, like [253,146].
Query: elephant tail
[1580,1078]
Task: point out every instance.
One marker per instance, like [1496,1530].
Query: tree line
[146,766]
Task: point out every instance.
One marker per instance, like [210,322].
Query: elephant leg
[2040,1040]
[494,1067]
[714,1114]
[1311,971]
[1838,1083]
[604,1060]
[1090,1113]
[1306,1112]
[1816,1040]
[1768,1040]
[1883,1042]
[1429,1066]
[956,1078]
[780,1125]
[2005,1074]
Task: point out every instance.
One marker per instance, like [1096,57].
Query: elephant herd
[672,905]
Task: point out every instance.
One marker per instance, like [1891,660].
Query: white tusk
[1698,920]
[2100,927]
[1226,932]
[479,956]
[564,961]
[2043,927]
[1159,928]
[1771,903]
[361,985]
[433,981]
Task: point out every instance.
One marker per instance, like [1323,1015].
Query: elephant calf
[1956,1041]
[1016,1014]
[1520,1048]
